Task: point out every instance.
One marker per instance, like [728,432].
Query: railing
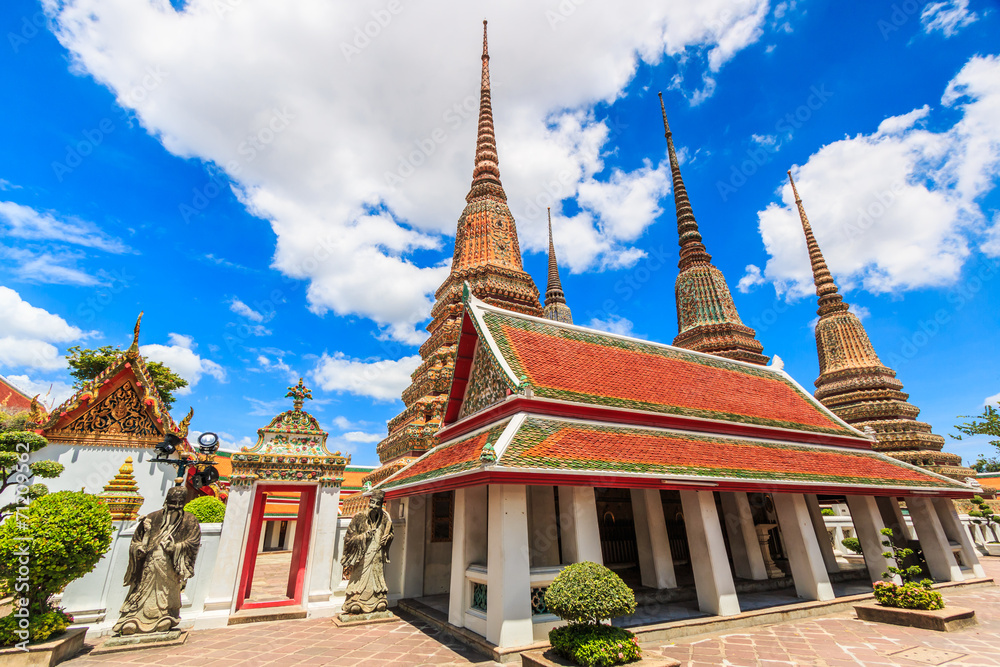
[541,578]
[840,527]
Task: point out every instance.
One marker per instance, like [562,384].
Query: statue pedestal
[340,620]
[764,537]
[141,641]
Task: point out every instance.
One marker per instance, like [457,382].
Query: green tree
[987,424]
[86,364]
[17,442]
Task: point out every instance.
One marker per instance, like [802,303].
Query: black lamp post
[205,472]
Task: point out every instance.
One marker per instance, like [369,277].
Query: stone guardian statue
[366,551]
[160,561]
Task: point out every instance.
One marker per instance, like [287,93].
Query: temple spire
[555,299]
[486,173]
[692,249]
[707,320]
[855,385]
[829,297]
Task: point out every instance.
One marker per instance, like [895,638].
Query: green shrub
[57,538]
[911,595]
[588,593]
[208,509]
[852,543]
[827,511]
[595,645]
[40,627]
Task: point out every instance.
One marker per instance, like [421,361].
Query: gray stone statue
[366,551]
[160,561]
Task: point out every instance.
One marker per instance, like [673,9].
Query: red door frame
[300,549]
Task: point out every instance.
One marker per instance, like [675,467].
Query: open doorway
[277,546]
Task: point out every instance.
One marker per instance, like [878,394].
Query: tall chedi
[488,257]
[707,320]
[555,300]
[855,385]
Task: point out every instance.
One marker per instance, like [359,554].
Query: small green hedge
[911,595]
[589,593]
[595,645]
[827,511]
[208,509]
[39,628]
[852,543]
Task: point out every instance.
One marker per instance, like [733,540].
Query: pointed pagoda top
[692,249]
[554,291]
[133,349]
[486,173]
[830,300]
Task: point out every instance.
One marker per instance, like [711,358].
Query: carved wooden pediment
[119,418]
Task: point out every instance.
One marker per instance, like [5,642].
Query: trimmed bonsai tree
[983,515]
[852,544]
[57,538]
[587,594]
[911,594]
[17,442]
[208,509]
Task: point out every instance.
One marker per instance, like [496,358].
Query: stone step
[266,614]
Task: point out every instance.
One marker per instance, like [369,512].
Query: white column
[933,540]
[469,545]
[822,536]
[712,576]
[868,526]
[656,564]
[892,517]
[508,592]
[542,527]
[323,545]
[581,534]
[413,548]
[956,532]
[290,534]
[804,556]
[231,546]
[748,563]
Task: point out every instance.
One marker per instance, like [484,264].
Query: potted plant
[984,516]
[587,595]
[53,540]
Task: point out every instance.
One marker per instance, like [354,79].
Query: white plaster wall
[95,598]
[90,468]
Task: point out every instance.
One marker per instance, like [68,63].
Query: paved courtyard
[838,640]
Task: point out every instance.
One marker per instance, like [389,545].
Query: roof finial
[299,393]
[829,297]
[555,299]
[692,249]
[486,173]
[133,349]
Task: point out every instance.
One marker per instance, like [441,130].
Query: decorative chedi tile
[707,320]
[857,387]
[488,257]
[121,494]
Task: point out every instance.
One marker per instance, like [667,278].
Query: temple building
[12,399]
[857,387]
[114,420]
[695,470]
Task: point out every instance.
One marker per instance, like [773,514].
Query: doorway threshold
[266,614]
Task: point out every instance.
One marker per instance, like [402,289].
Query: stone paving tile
[838,640]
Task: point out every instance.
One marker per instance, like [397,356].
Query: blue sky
[277,184]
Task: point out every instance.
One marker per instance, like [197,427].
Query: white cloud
[277,365]
[383,380]
[897,209]
[244,310]
[50,393]
[992,400]
[181,358]
[328,122]
[27,334]
[360,436]
[267,409]
[751,279]
[862,312]
[948,16]
[25,222]
[615,324]
[48,266]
